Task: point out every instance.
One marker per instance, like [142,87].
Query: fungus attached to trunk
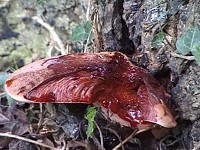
[108,80]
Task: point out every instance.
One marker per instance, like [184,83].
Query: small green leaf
[82,32]
[78,33]
[197,54]
[90,115]
[3,77]
[158,39]
[189,40]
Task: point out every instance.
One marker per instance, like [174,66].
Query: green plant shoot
[90,115]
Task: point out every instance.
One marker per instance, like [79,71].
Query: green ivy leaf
[3,77]
[158,39]
[90,115]
[82,32]
[189,40]
[78,33]
[197,54]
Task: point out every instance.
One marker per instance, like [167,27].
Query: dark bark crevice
[115,32]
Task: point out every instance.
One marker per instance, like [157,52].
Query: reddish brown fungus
[108,80]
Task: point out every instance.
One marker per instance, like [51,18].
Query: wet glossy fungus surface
[107,78]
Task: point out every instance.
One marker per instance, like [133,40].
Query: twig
[49,51]
[27,140]
[87,19]
[41,118]
[96,142]
[101,136]
[64,145]
[129,137]
[166,39]
[86,44]
[67,49]
[117,135]
[181,56]
[52,33]
[170,144]
[88,11]
[183,144]
[162,140]
[175,141]
[97,34]
[3,94]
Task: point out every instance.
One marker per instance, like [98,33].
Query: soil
[127,26]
